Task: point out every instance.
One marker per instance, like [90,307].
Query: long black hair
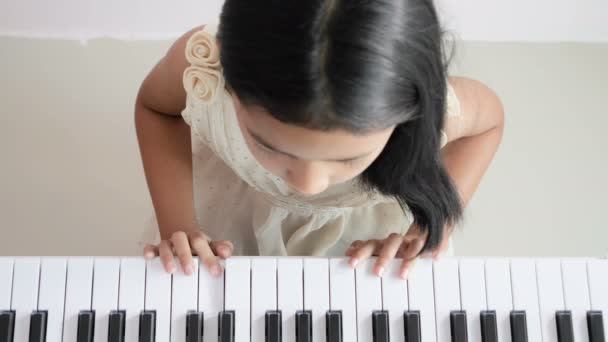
[356,65]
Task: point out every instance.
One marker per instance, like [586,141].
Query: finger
[409,256]
[181,245]
[200,244]
[353,247]
[388,252]
[166,255]
[406,266]
[366,250]
[222,248]
[150,251]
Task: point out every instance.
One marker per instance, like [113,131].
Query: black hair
[356,65]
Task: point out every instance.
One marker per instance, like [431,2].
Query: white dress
[238,200]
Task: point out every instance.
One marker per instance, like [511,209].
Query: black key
[595,325]
[38,321]
[194,326]
[116,326]
[273,326]
[333,326]
[489,330]
[380,326]
[411,325]
[226,326]
[458,324]
[519,326]
[7,326]
[86,326]
[147,326]
[565,332]
[304,326]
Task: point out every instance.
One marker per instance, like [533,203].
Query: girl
[318,127]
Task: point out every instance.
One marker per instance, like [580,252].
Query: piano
[303,299]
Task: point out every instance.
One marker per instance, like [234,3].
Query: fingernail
[215,270]
[380,271]
[354,262]
[171,268]
[189,269]
[403,274]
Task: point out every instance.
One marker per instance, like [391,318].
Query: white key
[498,295]
[6,283]
[264,298]
[447,295]
[369,298]
[472,294]
[342,295]
[184,299]
[106,273]
[525,294]
[422,297]
[78,294]
[550,295]
[598,283]
[158,297]
[210,300]
[576,295]
[394,299]
[52,295]
[290,294]
[25,295]
[316,294]
[238,295]
[131,294]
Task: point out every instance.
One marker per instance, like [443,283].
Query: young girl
[317,128]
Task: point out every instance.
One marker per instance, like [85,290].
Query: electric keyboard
[293,299]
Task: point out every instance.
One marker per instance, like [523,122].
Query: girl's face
[309,161]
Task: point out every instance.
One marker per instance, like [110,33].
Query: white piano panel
[499,297]
[238,295]
[210,300]
[525,294]
[394,299]
[184,299]
[472,294]
[422,297]
[316,293]
[131,294]
[264,294]
[369,298]
[598,283]
[576,295]
[79,288]
[25,294]
[106,275]
[342,295]
[290,294]
[6,282]
[550,295]
[52,295]
[158,297]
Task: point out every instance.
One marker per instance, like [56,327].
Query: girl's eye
[263,148]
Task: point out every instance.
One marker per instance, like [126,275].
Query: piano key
[499,296]
[368,291]
[290,294]
[51,296]
[158,298]
[394,299]
[565,331]
[411,323]
[25,295]
[86,326]
[79,285]
[303,326]
[380,330]
[316,294]
[7,326]
[194,326]
[263,286]
[226,326]
[116,326]
[131,294]
[595,326]
[147,326]
[210,300]
[38,325]
[184,299]
[238,295]
[576,295]
[519,326]
[342,296]
[106,273]
[273,324]
[472,284]
[422,298]
[525,295]
[6,283]
[458,325]
[489,331]
[334,326]
[550,295]
[447,295]
[597,271]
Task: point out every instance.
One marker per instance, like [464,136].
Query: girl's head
[328,90]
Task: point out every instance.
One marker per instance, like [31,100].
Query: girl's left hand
[405,246]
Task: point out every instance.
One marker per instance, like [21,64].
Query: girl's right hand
[184,244]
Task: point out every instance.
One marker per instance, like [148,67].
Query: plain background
[71,181]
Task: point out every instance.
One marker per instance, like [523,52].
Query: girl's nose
[308,178]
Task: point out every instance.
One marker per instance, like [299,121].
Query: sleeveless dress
[238,200]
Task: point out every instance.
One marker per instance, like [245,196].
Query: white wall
[477,20]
